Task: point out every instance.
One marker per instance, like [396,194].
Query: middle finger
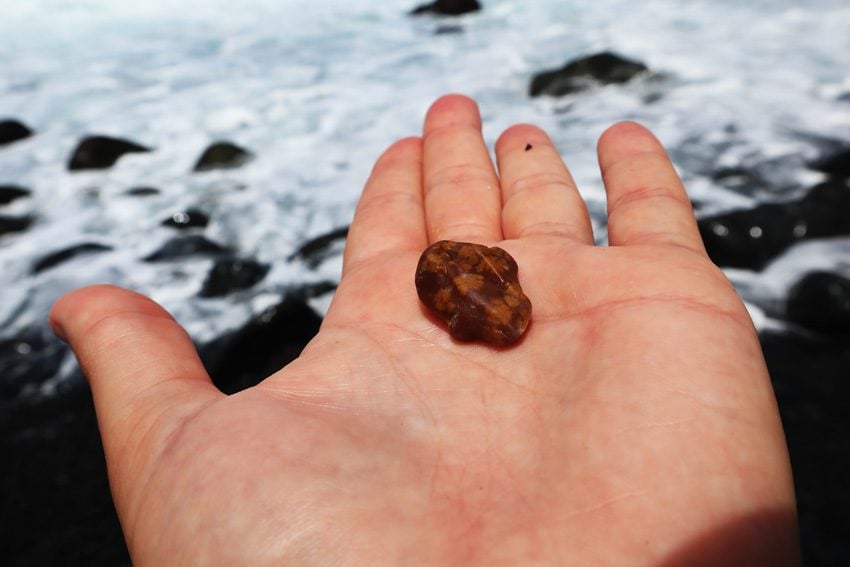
[462,196]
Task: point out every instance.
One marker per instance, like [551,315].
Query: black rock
[14,223]
[57,508]
[812,388]
[222,155]
[448,29]
[12,131]
[739,179]
[185,246]
[447,7]
[65,254]
[837,164]
[579,74]
[265,344]
[232,274]
[317,250]
[826,208]
[101,152]
[9,193]
[751,238]
[143,191]
[821,301]
[190,218]
[28,358]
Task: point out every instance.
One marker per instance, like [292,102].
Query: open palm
[633,424]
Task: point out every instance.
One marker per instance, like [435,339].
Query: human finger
[141,365]
[389,217]
[538,193]
[462,200]
[647,203]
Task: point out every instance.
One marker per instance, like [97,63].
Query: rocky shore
[55,500]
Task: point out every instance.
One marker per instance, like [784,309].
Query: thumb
[144,372]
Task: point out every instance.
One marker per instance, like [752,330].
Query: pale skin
[634,424]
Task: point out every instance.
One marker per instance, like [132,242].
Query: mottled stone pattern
[475,290]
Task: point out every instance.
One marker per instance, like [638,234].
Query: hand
[634,424]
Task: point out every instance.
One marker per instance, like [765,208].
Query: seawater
[318,89]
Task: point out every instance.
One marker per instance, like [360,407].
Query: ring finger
[539,194]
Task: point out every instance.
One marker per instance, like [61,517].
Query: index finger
[390,216]
[647,202]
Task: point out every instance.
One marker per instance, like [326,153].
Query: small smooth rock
[318,249]
[9,193]
[65,254]
[232,274]
[12,131]
[190,218]
[222,155]
[475,290]
[143,191]
[186,246]
[101,152]
[602,68]
[15,224]
[265,344]
[447,7]
[821,302]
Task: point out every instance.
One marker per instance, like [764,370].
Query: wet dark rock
[101,152]
[447,7]
[222,155]
[143,191]
[10,223]
[54,476]
[739,179]
[267,343]
[812,386]
[27,358]
[185,246]
[190,218]
[652,97]
[448,29]
[232,274]
[585,72]
[751,238]
[836,164]
[317,250]
[12,131]
[820,301]
[9,193]
[55,258]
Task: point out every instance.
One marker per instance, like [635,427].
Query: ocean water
[318,89]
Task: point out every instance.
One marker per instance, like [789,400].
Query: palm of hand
[607,435]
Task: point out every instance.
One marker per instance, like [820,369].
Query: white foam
[318,89]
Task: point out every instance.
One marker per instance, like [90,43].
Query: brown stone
[475,290]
